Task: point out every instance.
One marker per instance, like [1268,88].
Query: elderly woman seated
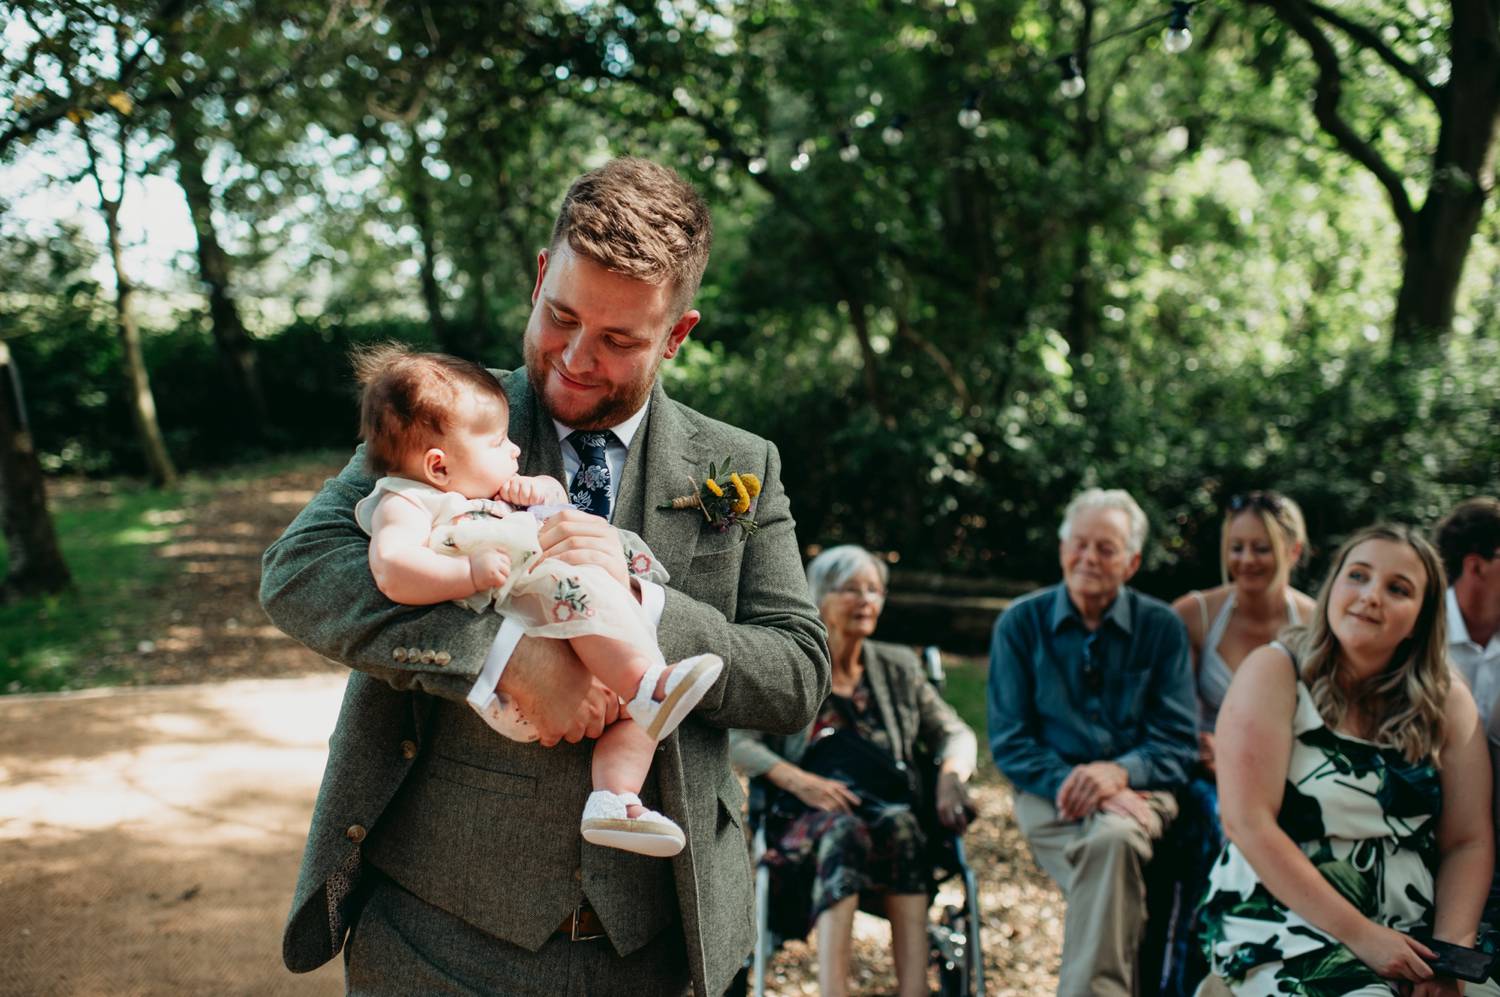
[835,841]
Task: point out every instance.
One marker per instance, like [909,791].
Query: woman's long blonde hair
[1407,699]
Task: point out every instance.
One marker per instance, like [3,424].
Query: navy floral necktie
[590,489]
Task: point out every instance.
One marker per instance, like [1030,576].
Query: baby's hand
[488,569]
[524,491]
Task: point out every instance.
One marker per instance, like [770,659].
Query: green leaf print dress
[1367,819]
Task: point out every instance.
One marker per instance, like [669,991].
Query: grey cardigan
[909,707]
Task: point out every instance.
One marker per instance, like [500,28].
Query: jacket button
[443,657]
[408,750]
[399,654]
[356,833]
[578,875]
[429,656]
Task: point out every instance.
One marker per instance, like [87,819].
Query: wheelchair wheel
[950,952]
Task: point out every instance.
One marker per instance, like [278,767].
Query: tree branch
[1372,41]
[1327,91]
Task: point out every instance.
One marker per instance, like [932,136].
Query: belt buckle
[574,935]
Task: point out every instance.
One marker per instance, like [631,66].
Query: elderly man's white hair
[1107,498]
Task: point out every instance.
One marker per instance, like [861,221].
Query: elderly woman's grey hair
[837,565]
[1111,498]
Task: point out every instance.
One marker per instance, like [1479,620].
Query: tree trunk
[421,216]
[36,565]
[1437,242]
[138,383]
[236,349]
[870,363]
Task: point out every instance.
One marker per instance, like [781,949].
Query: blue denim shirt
[1061,695]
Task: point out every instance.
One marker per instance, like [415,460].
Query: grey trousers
[1099,863]
[403,946]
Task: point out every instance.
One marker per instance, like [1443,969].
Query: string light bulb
[848,151]
[757,165]
[894,133]
[969,117]
[803,157]
[1073,84]
[1178,36]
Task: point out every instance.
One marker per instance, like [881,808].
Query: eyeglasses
[1269,501]
[861,592]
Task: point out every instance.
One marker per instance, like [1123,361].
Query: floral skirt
[823,856]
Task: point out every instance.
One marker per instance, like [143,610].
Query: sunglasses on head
[1268,501]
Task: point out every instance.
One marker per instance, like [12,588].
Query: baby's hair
[407,399]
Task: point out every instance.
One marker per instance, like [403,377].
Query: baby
[444,525]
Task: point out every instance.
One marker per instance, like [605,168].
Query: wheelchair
[953,939]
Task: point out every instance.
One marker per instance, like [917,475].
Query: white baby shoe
[605,823]
[689,680]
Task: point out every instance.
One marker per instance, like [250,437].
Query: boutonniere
[725,498]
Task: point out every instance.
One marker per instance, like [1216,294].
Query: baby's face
[480,455]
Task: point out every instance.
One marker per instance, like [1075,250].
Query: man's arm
[774,650]
[1028,763]
[1163,758]
[316,586]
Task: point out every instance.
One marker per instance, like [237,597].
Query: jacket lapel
[880,685]
[532,429]
[664,462]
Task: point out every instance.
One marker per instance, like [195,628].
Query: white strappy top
[1213,672]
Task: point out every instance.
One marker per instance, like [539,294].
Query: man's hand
[488,569]
[580,538]
[1087,786]
[556,693]
[541,490]
[1128,803]
[1439,986]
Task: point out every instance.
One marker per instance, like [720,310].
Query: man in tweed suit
[448,856]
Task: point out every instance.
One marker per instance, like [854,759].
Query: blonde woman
[1354,790]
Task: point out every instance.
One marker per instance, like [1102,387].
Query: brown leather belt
[582,925]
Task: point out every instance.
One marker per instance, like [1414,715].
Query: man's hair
[1113,498]
[407,399]
[1472,527]
[639,219]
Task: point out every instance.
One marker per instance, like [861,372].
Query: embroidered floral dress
[548,597]
[1367,819]
[823,856]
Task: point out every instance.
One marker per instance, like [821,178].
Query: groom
[446,858]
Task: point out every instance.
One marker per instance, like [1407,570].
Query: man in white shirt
[1468,539]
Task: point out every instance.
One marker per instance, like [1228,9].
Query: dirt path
[151,836]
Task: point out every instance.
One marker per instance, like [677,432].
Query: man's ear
[680,331]
[541,274]
[435,468]
[1133,566]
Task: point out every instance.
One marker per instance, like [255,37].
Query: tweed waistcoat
[514,864]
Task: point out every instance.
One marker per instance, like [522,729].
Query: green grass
[55,642]
[965,689]
[110,532]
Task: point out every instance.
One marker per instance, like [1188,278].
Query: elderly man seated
[1091,715]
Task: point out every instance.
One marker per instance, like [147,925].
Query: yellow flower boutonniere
[726,498]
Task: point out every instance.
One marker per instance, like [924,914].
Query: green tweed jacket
[746,600]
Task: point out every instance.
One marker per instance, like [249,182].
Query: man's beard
[608,411]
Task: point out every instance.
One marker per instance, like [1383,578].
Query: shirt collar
[1458,630]
[1063,610]
[624,432]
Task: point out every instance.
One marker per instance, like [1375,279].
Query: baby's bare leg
[617,663]
[622,757]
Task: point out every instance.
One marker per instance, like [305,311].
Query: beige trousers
[1099,862]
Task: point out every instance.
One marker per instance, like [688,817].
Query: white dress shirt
[1480,666]
[484,697]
